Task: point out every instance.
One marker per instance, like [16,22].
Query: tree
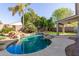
[50,24]
[20,8]
[29,21]
[41,23]
[29,27]
[44,23]
[62,13]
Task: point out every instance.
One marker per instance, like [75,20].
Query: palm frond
[18,8]
[10,8]
[27,4]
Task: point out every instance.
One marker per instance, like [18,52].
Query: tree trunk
[23,28]
[23,20]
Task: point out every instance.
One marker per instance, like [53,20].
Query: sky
[42,9]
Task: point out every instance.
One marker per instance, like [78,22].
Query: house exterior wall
[1,26]
[77,8]
[18,27]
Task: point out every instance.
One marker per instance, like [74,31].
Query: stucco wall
[17,27]
[1,26]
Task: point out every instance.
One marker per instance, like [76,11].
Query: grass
[2,37]
[61,33]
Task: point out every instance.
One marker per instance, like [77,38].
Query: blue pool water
[29,44]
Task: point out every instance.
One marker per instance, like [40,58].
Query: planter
[1,47]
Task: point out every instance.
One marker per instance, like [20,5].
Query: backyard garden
[35,25]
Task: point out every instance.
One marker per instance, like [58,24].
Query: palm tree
[20,8]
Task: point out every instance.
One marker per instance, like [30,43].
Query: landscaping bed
[61,33]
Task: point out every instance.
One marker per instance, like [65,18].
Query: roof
[17,23]
[69,19]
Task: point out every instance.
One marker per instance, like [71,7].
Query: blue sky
[42,9]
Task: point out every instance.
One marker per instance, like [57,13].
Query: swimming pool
[29,44]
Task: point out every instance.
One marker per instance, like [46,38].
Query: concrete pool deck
[56,48]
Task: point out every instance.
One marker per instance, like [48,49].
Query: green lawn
[2,37]
[61,33]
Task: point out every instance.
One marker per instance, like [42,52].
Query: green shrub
[6,30]
[29,27]
[2,34]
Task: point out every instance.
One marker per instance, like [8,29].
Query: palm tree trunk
[23,28]
[23,20]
